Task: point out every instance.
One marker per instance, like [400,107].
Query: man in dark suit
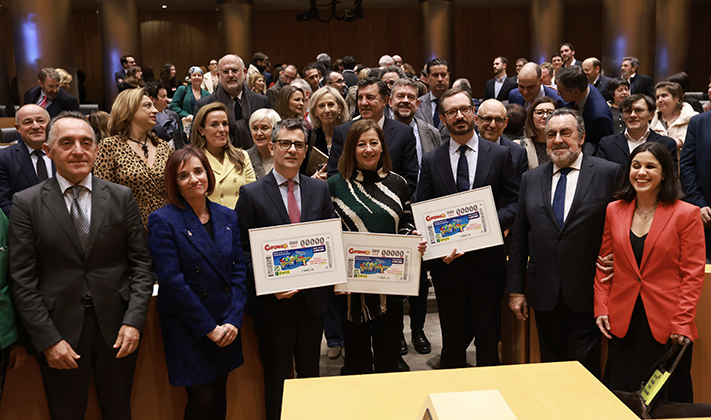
[639,83]
[530,87]
[287,76]
[81,274]
[593,68]
[491,119]
[555,242]
[349,75]
[574,88]
[567,53]
[49,95]
[695,170]
[637,112]
[127,61]
[500,86]
[469,286]
[25,164]
[372,97]
[241,102]
[438,81]
[289,325]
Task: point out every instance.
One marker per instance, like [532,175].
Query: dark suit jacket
[202,284]
[601,85]
[509,85]
[350,77]
[240,135]
[260,205]
[51,273]
[695,161]
[16,173]
[400,140]
[63,101]
[518,154]
[516,98]
[425,113]
[614,148]
[597,118]
[640,83]
[119,77]
[273,93]
[561,259]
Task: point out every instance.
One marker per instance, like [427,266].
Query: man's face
[50,87]
[438,80]
[73,149]
[288,161]
[370,102]
[546,77]
[31,124]
[563,142]
[161,102]
[627,69]
[213,66]
[398,60]
[568,95]
[390,78]
[519,64]
[637,117]
[336,81]
[312,77]
[458,124]
[499,66]
[591,71]
[130,62]
[232,74]
[529,84]
[288,75]
[404,102]
[567,54]
[491,120]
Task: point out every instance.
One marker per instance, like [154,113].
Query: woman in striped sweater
[368,197]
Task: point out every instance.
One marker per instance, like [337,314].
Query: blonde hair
[122,112]
[316,97]
[235,155]
[64,77]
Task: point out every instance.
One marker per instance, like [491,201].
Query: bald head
[529,81]
[232,74]
[591,67]
[491,119]
[31,123]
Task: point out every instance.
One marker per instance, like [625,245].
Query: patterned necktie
[559,197]
[435,113]
[294,212]
[463,170]
[81,221]
[43,104]
[41,166]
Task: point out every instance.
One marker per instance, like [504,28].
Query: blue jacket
[516,98]
[202,284]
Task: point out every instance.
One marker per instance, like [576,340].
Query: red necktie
[43,104]
[294,213]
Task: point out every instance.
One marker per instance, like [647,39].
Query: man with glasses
[241,102]
[491,120]
[336,81]
[287,76]
[469,286]
[289,324]
[555,243]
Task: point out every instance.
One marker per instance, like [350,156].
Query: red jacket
[671,274]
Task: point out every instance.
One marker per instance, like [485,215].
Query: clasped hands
[62,356]
[223,335]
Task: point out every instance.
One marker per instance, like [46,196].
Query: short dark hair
[463,84]
[289,124]
[669,191]
[521,59]
[572,77]
[447,94]
[310,66]
[567,44]
[517,119]
[626,103]
[347,162]
[124,59]
[556,55]
[503,59]
[682,78]
[673,88]
[349,62]
[436,62]
[392,69]
[170,177]
[596,63]
[615,83]
[382,86]
[259,56]
[152,89]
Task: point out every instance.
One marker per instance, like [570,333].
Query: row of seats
[85,109]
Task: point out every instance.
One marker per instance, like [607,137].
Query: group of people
[598,240]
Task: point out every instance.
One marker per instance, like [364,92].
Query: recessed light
[165,6]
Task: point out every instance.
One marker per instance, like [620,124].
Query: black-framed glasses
[286,144]
[542,112]
[488,120]
[465,110]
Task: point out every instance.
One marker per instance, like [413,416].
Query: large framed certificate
[297,256]
[381,263]
[466,221]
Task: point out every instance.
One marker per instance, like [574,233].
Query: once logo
[357,251]
[270,247]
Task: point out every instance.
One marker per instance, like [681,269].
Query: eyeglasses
[185,175]
[234,70]
[465,110]
[488,120]
[286,144]
[542,112]
[565,133]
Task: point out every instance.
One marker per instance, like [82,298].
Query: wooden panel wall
[87,44]
[583,29]
[699,65]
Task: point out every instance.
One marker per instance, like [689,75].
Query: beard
[563,160]
[453,129]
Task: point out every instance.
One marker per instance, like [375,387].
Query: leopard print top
[117,162]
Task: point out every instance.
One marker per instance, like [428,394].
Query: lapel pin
[190,233]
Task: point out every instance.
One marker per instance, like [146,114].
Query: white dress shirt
[472,152]
[571,184]
[284,189]
[632,143]
[35,159]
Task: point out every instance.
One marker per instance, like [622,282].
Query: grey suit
[425,112]
[256,160]
[273,92]
[430,138]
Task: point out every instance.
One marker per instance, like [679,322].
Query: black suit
[16,173]
[470,288]
[601,85]
[63,101]
[518,154]
[120,77]
[561,268]
[350,77]
[640,83]
[615,149]
[287,329]
[401,143]
[598,120]
[509,85]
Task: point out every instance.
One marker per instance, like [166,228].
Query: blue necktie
[435,113]
[559,197]
[462,170]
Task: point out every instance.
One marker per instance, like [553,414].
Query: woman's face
[666,103]
[216,130]
[327,109]
[259,84]
[646,173]
[139,73]
[368,151]
[172,72]
[620,94]
[196,79]
[262,132]
[192,179]
[541,113]
[557,63]
[296,104]
[145,116]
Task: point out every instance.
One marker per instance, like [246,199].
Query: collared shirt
[435,111]
[471,153]
[418,142]
[571,184]
[596,79]
[284,189]
[498,84]
[581,104]
[381,121]
[84,194]
[41,98]
[632,143]
[35,159]
[541,94]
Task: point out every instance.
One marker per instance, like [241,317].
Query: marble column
[234,28]
[672,37]
[546,28]
[628,30]
[437,30]
[120,35]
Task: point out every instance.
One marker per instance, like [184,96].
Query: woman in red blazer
[659,256]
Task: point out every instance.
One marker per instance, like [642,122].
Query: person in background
[257,83]
[534,140]
[618,90]
[168,79]
[290,102]
[261,124]
[133,79]
[99,121]
[186,97]
[673,114]
[327,109]
[65,78]
[168,126]
[211,78]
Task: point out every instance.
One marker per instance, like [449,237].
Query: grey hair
[289,124]
[262,113]
[303,85]
[386,60]
[324,58]
[52,136]
[391,69]
[634,62]
[579,123]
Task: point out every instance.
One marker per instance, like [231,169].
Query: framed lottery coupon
[381,263]
[297,256]
[466,221]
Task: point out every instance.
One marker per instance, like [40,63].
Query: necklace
[143,145]
[645,214]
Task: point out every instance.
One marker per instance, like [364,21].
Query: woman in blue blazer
[186,97]
[201,273]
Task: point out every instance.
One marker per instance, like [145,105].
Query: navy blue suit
[470,288]
[202,285]
[597,118]
[601,85]
[401,143]
[516,98]
[16,173]
[695,166]
[615,149]
[63,101]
